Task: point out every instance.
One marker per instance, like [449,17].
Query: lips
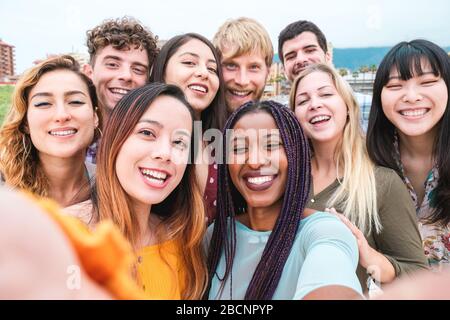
[259,182]
[199,88]
[319,119]
[119,92]
[63,132]
[414,113]
[240,93]
[154,177]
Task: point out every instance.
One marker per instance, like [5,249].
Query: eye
[326,94]
[140,71]
[239,149]
[42,104]
[180,144]
[212,69]
[77,102]
[147,133]
[311,50]
[230,66]
[273,145]
[188,63]
[302,102]
[255,67]
[428,83]
[112,64]
[393,86]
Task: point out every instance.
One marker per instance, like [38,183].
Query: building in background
[6,60]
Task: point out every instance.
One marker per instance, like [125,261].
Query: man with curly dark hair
[121,52]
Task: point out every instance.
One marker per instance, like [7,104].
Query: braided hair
[269,270]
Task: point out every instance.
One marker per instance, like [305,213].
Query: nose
[300,58]
[125,73]
[162,150]
[202,71]
[242,78]
[412,94]
[315,102]
[257,158]
[62,114]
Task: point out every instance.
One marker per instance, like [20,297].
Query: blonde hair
[19,161]
[357,190]
[242,36]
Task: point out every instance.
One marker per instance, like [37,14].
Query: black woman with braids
[264,243]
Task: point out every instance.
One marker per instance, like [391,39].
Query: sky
[40,27]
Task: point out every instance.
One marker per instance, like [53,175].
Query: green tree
[5,100]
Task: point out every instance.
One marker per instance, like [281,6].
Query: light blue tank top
[324,253]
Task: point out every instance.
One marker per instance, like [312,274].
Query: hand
[365,250]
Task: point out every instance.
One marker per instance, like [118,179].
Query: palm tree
[343,72]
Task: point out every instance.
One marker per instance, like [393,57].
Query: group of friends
[177,181]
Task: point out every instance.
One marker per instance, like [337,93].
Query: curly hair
[122,34]
[19,161]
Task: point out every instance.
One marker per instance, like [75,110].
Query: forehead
[414,67]
[197,47]
[304,39]
[260,120]
[59,81]
[163,109]
[131,55]
[314,81]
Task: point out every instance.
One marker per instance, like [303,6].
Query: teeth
[319,118]
[413,113]
[63,133]
[260,180]
[155,174]
[156,181]
[240,93]
[119,91]
[198,88]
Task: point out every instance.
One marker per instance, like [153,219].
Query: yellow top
[160,271]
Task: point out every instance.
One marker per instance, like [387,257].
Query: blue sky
[39,27]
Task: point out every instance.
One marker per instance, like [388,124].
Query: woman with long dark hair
[408,131]
[191,62]
[146,185]
[264,244]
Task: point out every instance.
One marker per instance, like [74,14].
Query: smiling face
[300,52]
[153,159]
[245,78]
[60,115]
[116,72]
[416,105]
[193,68]
[319,108]
[257,160]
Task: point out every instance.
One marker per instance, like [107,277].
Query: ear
[96,116]
[88,71]
[328,58]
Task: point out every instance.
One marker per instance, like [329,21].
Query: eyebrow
[153,122]
[120,59]
[323,87]
[159,125]
[197,56]
[48,94]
